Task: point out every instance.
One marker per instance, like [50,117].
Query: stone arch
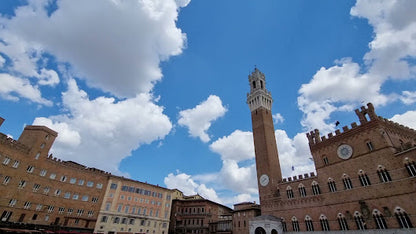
[260,230]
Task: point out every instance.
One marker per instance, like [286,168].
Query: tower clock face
[344,151]
[264,180]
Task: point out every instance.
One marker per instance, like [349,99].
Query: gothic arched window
[383,174]
[343,225]
[289,192]
[283,224]
[331,184]
[359,221]
[324,223]
[295,224]
[346,180]
[364,180]
[410,166]
[379,219]
[302,190]
[402,218]
[315,188]
[309,224]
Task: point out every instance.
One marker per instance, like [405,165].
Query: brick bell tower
[267,159]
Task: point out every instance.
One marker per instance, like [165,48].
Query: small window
[99,186]
[22,184]
[331,185]
[73,180]
[309,224]
[315,188]
[302,190]
[379,220]
[36,187]
[325,159]
[346,180]
[283,224]
[6,180]
[63,178]
[27,205]
[113,186]
[16,164]
[46,190]
[80,182]
[42,172]
[75,197]
[84,198]
[90,184]
[37,156]
[50,209]
[402,218]
[383,174]
[364,180]
[410,167]
[80,212]
[57,192]
[6,160]
[370,146]
[30,169]
[12,202]
[39,207]
[324,223]
[67,195]
[61,210]
[69,211]
[52,176]
[289,192]
[104,219]
[42,145]
[90,213]
[343,225]
[295,224]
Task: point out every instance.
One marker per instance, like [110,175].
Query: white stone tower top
[259,96]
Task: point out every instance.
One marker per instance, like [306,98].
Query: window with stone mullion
[403,220]
[411,168]
[347,183]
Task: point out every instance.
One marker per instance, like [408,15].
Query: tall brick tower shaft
[267,159]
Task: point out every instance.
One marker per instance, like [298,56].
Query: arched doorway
[274,231]
[259,230]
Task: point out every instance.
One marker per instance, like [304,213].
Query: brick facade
[40,190]
[242,214]
[365,178]
[194,214]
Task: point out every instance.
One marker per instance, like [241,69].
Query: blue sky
[156,89]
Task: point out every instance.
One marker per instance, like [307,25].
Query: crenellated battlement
[365,115]
[76,165]
[299,177]
[400,127]
[10,142]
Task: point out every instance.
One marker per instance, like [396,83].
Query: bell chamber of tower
[258,96]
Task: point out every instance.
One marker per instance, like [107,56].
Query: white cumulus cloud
[13,88]
[114,45]
[238,146]
[101,132]
[408,119]
[198,119]
[348,84]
